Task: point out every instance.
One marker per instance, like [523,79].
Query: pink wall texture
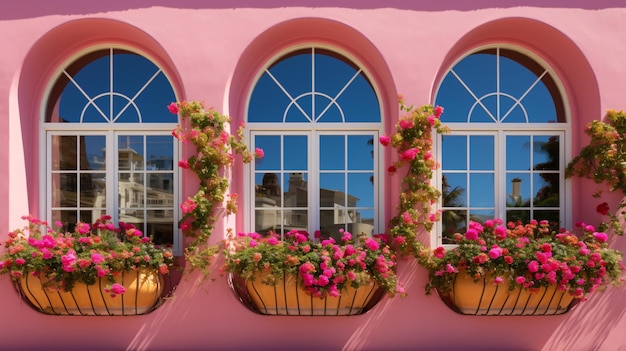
[211,51]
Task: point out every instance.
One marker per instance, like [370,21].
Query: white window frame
[500,131]
[110,130]
[313,130]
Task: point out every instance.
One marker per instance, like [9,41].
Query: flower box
[289,298]
[483,297]
[143,294]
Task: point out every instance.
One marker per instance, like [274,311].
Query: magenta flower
[184,164]
[601,237]
[471,234]
[371,244]
[117,289]
[173,108]
[406,124]
[96,258]
[384,140]
[498,280]
[259,153]
[409,155]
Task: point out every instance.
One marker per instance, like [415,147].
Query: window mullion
[112,158]
[313,184]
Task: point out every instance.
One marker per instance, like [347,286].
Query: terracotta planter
[143,294]
[288,298]
[483,297]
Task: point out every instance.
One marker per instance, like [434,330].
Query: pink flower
[188,206]
[259,153]
[183,164]
[438,111]
[495,252]
[406,124]
[533,266]
[272,241]
[520,280]
[173,108]
[471,234]
[117,289]
[440,252]
[601,237]
[68,260]
[384,140]
[20,261]
[498,280]
[371,244]
[96,258]
[409,154]
[406,217]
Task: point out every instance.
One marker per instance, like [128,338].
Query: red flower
[603,208]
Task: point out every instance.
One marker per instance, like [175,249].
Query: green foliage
[604,161]
[214,155]
[89,252]
[530,255]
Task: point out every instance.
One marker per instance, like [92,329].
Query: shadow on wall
[591,322]
[37,8]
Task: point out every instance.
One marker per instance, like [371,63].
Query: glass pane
[360,152]
[332,152]
[518,189]
[453,190]
[453,221]
[131,152]
[360,190]
[268,190]
[131,190]
[296,153]
[296,220]
[64,153]
[553,217]
[297,191]
[93,152]
[546,189]
[332,190]
[161,189]
[481,216]
[273,152]
[134,217]
[481,190]
[64,190]
[68,219]
[267,219]
[160,226]
[518,215]
[331,221]
[518,153]
[546,153]
[160,153]
[454,152]
[90,216]
[91,192]
[481,152]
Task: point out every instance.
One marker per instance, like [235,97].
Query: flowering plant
[211,161]
[325,266]
[529,256]
[604,161]
[413,144]
[89,252]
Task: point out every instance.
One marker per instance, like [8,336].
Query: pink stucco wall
[211,50]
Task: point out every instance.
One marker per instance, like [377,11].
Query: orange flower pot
[288,298]
[483,297]
[143,294]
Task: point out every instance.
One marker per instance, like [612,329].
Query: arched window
[317,116]
[108,144]
[505,155]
